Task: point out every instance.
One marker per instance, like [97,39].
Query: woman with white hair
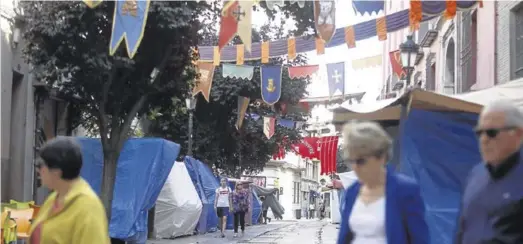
[382,207]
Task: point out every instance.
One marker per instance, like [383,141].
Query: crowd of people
[381,207]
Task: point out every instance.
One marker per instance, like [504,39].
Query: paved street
[282,232]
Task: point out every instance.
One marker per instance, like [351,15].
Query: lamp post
[409,51]
[190,102]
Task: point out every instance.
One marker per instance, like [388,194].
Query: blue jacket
[404,212]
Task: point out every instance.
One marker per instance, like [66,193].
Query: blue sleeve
[414,214]
[345,214]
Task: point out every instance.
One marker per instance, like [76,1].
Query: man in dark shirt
[492,204]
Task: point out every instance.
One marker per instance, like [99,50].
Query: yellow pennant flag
[244,17]
[92,3]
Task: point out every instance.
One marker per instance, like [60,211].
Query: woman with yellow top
[73,213]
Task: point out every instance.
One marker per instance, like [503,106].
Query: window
[296,193]
[516,42]
[315,171]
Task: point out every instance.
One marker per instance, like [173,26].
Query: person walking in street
[222,204]
[305,207]
[381,206]
[311,210]
[265,210]
[72,213]
[241,203]
[492,203]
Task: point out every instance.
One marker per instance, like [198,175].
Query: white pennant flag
[268,126]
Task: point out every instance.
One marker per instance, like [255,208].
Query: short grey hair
[366,138]
[513,114]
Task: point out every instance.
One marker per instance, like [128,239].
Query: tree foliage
[68,46]
[216,140]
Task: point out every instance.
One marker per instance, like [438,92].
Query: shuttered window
[517,43]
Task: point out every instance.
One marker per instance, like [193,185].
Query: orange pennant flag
[291,48]
[320,46]
[450,11]
[216,57]
[350,38]
[240,52]
[204,82]
[381,28]
[415,14]
[264,52]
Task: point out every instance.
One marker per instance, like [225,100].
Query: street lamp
[190,102]
[409,51]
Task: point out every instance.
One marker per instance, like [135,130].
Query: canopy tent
[511,90]
[141,172]
[178,207]
[205,183]
[390,109]
[436,145]
[270,196]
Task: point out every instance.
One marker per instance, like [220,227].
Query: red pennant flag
[228,23]
[303,71]
[269,126]
[307,148]
[395,62]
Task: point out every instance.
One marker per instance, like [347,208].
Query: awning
[390,109]
[511,91]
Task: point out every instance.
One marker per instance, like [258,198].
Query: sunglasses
[358,161]
[491,133]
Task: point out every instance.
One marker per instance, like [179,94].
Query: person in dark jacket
[492,203]
[265,209]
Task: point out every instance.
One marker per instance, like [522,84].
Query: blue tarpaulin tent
[206,185]
[438,149]
[143,167]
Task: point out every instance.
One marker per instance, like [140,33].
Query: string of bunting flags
[271,77]
[130,17]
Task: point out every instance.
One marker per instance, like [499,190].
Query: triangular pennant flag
[243,104]
[268,126]
[244,18]
[228,23]
[204,83]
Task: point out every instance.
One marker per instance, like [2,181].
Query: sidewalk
[251,232]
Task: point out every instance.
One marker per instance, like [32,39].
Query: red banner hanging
[308,147]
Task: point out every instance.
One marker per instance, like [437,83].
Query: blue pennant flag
[368,6]
[129,22]
[336,77]
[270,84]
[286,123]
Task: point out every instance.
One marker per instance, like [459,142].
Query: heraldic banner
[129,23]
[271,84]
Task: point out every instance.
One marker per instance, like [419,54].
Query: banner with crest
[129,21]
[325,18]
[270,84]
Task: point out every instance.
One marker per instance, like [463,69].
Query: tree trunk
[108,178]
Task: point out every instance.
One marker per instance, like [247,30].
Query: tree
[67,44]
[217,142]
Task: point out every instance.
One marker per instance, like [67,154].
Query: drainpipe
[496,81]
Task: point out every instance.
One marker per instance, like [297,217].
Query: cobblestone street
[303,231]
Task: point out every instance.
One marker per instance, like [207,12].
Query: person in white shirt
[311,210]
[222,204]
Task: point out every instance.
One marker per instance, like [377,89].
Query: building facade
[31,114]
[509,40]
[450,52]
